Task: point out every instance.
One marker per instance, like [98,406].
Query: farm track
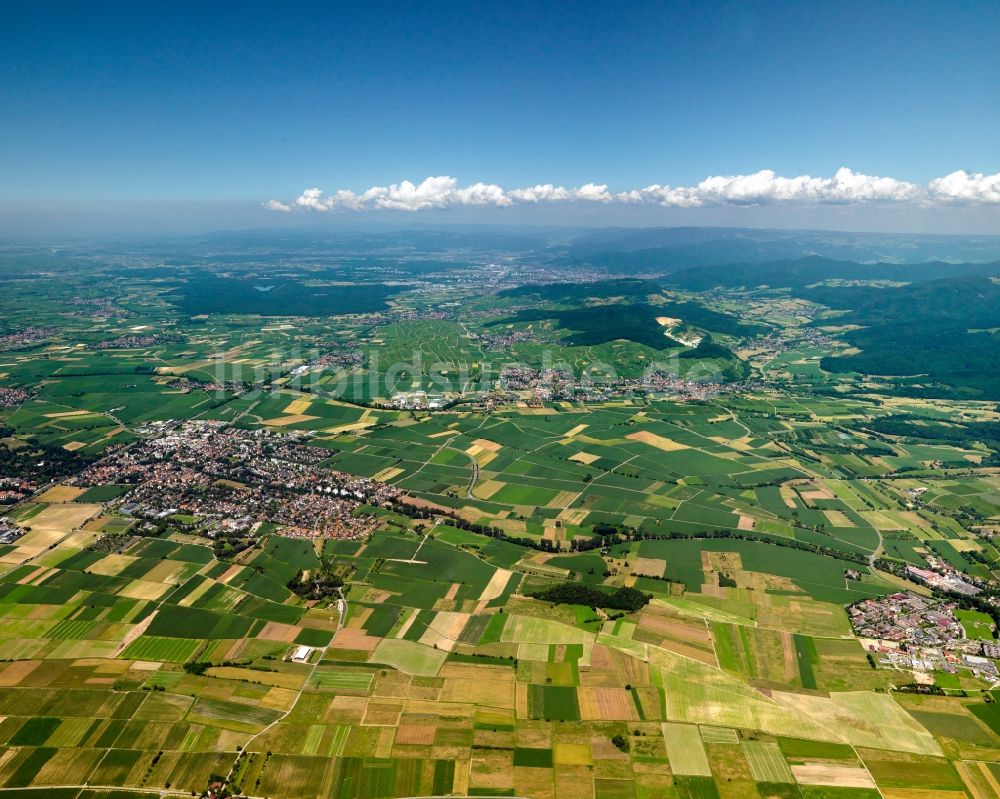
[342,613]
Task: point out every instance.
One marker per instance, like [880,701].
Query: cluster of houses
[97,307]
[774,344]
[187,385]
[138,341]
[10,397]
[230,480]
[538,386]
[908,631]
[14,489]
[10,532]
[496,342]
[26,337]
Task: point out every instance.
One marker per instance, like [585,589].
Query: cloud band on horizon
[760,188]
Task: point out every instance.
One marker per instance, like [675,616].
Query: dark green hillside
[966,302]
[937,331]
[600,324]
[799,273]
[636,322]
[277,297]
[918,429]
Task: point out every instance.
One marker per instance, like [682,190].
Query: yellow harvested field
[486,444]
[978,778]
[741,444]
[111,565]
[569,754]
[416,734]
[273,678]
[584,457]
[496,585]
[653,440]
[388,473]
[563,499]
[406,625]
[573,515]
[60,493]
[836,518]
[576,431]
[488,686]
[297,407]
[347,428]
[649,567]
[487,488]
[17,671]
[63,518]
[605,704]
[283,421]
[81,538]
[35,574]
[788,495]
[279,698]
[603,749]
[165,571]
[276,631]
[352,638]
[141,589]
[230,573]
[835,775]
[443,433]
[66,414]
[480,455]
[442,633]
[196,594]
[921,793]
[50,527]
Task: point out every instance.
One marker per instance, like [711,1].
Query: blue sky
[198,104]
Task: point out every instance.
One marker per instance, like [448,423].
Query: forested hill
[662,250]
[938,331]
[966,302]
[801,272]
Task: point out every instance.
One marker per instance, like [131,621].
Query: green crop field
[177,650]
[342,680]
[766,762]
[976,624]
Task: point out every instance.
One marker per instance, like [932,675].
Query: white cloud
[760,188]
[766,187]
[961,186]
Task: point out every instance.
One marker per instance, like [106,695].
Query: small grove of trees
[630,599]
[321,583]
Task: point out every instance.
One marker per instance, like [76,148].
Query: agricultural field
[514,589]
